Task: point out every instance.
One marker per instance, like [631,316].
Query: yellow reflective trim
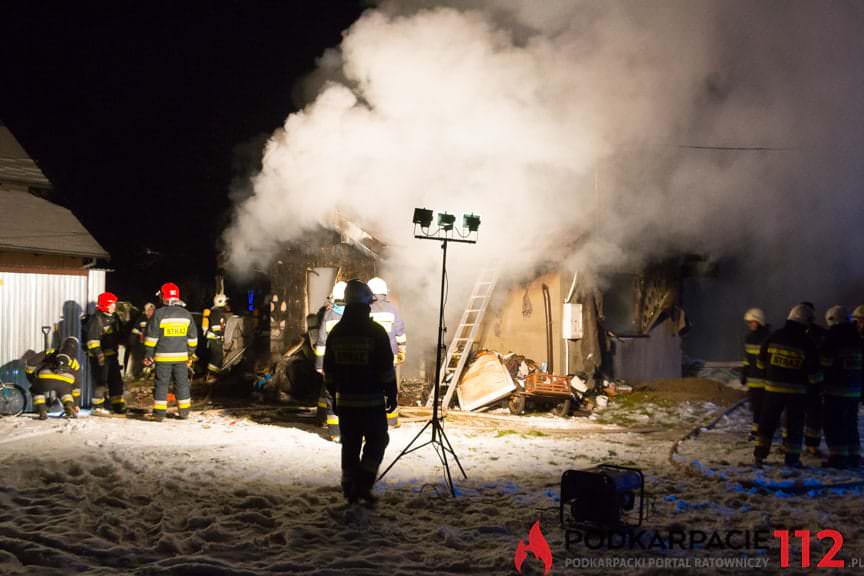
[320,350]
[75,364]
[784,388]
[752,349]
[183,358]
[61,377]
[151,342]
[184,403]
[76,392]
[98,401]
[160,404]
[39,399]
[332,420]
[172,321]
[192,343]
[67,398]
[91,344]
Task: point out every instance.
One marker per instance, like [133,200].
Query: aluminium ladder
[469,326]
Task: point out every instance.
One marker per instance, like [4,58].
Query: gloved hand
[399,358]
[192,359]
[390,404]
[148,361]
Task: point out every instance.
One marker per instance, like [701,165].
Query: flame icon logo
[538,546]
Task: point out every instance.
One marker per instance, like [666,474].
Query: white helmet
[802,314]
[755,315]
[837,315]
[219,300]
[338,293]
[377,286]
[858,312]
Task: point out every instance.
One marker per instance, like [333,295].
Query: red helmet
[169,291]
[105,300]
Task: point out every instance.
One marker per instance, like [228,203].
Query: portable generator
[602,496]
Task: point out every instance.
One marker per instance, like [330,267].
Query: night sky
[142,113]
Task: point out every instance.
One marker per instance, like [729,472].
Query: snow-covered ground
[234,494]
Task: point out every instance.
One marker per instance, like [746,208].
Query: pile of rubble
[520,384]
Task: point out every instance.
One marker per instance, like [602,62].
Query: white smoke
[574,129]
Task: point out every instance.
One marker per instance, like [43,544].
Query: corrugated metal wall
[30,301]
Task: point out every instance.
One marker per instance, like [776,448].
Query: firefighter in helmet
[332,316]
[790,360]
[58,373]
[841,359]
[813,408]
[215,334]
[753,377]
[170,342]
[387,315]
[103,339]
[359,374]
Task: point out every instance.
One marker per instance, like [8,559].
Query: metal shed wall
[29,301]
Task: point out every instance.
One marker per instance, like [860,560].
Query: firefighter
[813,408]
[335,309]
[858,317]
[214,331]
[753,377]
[359,374]
[387,315]
[58,373]
[790,360]
[136,342]
[841,359]
[171,341]
[103,339]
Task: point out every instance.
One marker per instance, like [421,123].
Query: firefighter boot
[41,406]
[69,410]
[363,483]
[183,413]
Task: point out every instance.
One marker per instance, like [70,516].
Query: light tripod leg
[453,452]
[406,450]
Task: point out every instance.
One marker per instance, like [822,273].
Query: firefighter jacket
[103,334]
[63,365]
[216,327]
[790,360]
[387,315]
[331,318]
[754,377]
[171,335]
[358,363]
[841,359]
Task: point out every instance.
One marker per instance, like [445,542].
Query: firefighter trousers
[215,355]
[166,374]
[813,418]
[774,404]
[364,439]
[841,428]
[68,393]
[108,384]
[755,395]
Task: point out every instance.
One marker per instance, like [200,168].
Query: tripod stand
[439,440]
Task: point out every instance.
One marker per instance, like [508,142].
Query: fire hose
[678,461]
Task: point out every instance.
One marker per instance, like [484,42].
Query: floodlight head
[471,222]
[423,217]
[446,221]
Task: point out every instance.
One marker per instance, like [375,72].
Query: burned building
[303,274]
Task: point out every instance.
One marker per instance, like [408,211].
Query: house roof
[29,223]
[16,165]
[32,224]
